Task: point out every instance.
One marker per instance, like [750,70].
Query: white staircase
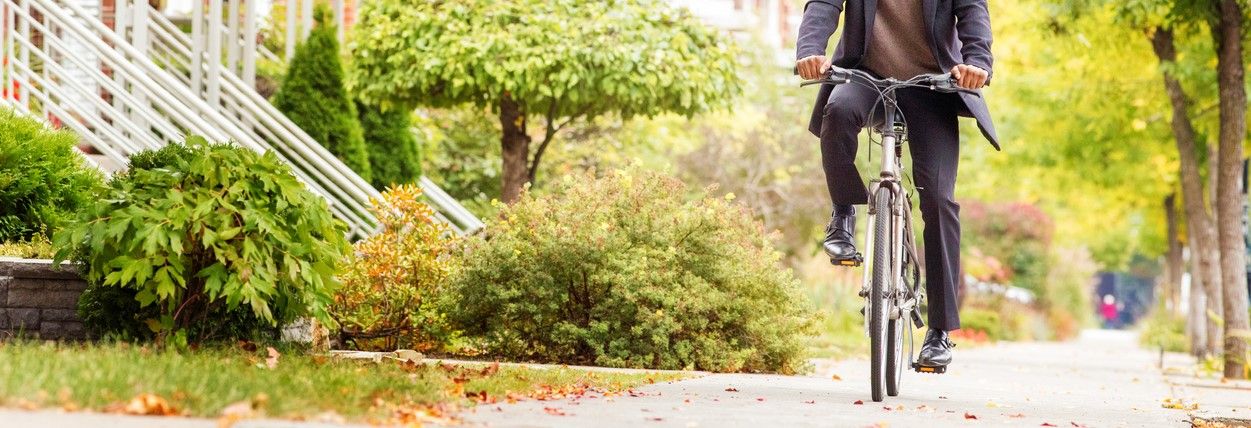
[144,84]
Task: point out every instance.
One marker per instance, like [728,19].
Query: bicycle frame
[890,178]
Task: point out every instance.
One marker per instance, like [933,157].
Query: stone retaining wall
[37,301]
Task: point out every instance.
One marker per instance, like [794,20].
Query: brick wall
[39,302]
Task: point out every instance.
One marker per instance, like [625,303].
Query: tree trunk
[1172,282]
[1202,233]
[1196,324]
[1229,203]
[1212,286]
[516,150]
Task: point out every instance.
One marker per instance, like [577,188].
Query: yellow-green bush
[43,179]
[389,290]
[626,270]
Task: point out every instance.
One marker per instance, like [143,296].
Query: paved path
[1102,379]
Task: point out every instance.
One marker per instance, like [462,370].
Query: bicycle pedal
[854,261]
[929,369]
[916,318]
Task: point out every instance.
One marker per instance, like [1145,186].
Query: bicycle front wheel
[879,303]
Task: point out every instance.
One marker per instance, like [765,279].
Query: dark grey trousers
[934,141]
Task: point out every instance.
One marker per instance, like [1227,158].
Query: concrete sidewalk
[1102,379]
[1215,400]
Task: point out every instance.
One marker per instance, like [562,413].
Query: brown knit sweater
[898,44]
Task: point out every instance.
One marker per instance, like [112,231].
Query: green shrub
[313,97]
[204,229]
[626,271]
[983,320]
[394,153]
[43,180]
[389,291]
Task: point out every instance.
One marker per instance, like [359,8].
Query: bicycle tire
[878,305]
[894,355]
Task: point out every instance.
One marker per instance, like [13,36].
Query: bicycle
[892,277]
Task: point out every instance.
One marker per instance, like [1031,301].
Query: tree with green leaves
[394,153]
[1220,244]
[555,61]
[312,95]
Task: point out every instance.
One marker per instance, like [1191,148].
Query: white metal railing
[235,95]
[130,88]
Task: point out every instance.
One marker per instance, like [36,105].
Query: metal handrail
[150,106]
[242,101]
[151,99]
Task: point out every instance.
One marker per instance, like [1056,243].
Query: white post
[139,35]
[6,31]
[772,27]
[120,21]
[120,18]
[197,46]
[232,37]
[139,26]
[214,52]
[339,19]
[292,6]
[249,43]
[306,18]
[24,55]
[51,29]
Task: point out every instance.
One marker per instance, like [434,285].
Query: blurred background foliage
[1087,160]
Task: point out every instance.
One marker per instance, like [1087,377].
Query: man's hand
[812,67]
[969,77]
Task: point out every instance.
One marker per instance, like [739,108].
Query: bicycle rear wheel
[878,290]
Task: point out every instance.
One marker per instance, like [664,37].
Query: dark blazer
[959,34]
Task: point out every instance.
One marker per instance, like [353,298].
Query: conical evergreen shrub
[394,152]
[313,96]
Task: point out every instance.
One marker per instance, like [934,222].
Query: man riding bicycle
[901,39]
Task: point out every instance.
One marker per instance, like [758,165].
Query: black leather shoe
[839,234]
[936,350]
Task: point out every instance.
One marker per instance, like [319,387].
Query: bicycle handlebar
[936,82]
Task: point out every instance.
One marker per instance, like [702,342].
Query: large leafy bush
[389,291]
[313,96]
[200,230]
[43,180]
[625,270]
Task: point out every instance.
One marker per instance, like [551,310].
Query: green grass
[203,382]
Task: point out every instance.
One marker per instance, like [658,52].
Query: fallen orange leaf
[149,405]
[968,415]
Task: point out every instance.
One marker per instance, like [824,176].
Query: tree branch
[549,135]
